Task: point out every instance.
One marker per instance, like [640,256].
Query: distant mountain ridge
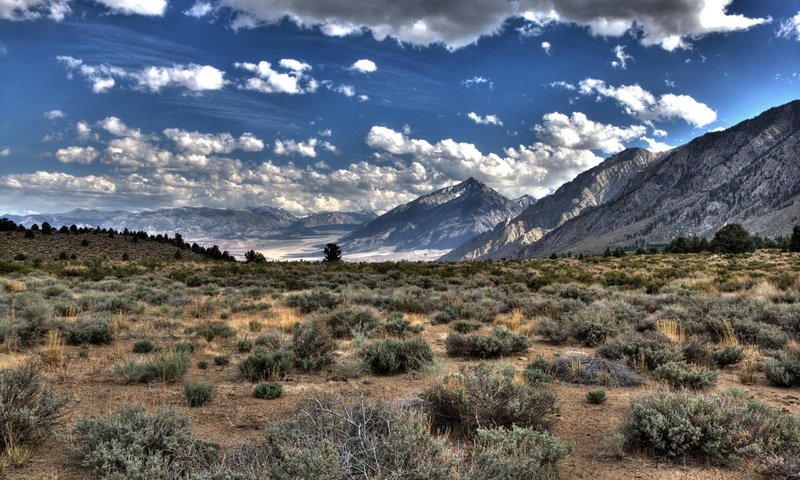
[437,221]
[591,188]
[748,174]
[203,222]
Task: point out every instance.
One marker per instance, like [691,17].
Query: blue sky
[340,105]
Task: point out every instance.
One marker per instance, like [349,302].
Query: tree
[254,257]
[333,253]
[607,253]
[794,242]
[47,229]
[554,256]
[732,238]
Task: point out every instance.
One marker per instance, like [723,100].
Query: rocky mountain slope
[438,221]
[589,189]
[748,174]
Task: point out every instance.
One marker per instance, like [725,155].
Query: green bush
[518,453]
[480,397]
[29,412]
[728,355]
[184,347]
[221,360]
[683,375]
[723,429]
[465,326]
[596,397]
[313,345]
[391,355]
[263,364]
[202,364]
[309,302]
[143,346]
[212,330]
[95,332]
[648,348]
[331,439]
[197,393]
[244,345]
[397,325]
[555,331]
[268,390]
[344,322]
[133,445]
[538,371]
[784,371]
[167,368]
[498,343]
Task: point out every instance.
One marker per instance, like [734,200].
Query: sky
[336,105]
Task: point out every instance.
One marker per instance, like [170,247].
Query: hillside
[748,174]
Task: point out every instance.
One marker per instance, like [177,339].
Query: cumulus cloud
[790,28]
[290,77]
[622,58]
[364,66]
[5,152]
[200,9]
[645,106]
[57,183]
[209,143]
[485,120]
[84,130]
[84,155]
[579,132]
[478,81]
[457,23]
[20,10]
[53,114]
[547,47]
[153,8]
[103,77]
[656,146]
[307,148]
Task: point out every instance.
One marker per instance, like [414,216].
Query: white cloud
[307,148]
[5,152]
[656,146]
[58,183]
[154,8]
[192,77]
[363,98]
[208,143]
[547,47]
[562,84]
[200,9]
[326,133]
[579,132]
[118,128]
[84,130]
[85,155]
[642,104]
[790,28]
[485,120]
[292,80]
[364,66]
[478,81]
[19,10]
[622,58]
[53,114]
[458,23]
[659,133]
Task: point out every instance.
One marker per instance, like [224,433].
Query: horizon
[154,104]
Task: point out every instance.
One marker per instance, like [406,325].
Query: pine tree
[732,238]
[333,253]
[794,242]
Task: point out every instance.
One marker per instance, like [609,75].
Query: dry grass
[10,343]
[516,322]
[15,286]
[671,329]
[12,360]
[749,365]
[120,322]
[53,352]
[728,334]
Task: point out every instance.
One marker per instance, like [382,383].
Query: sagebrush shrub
[331,439]
[143,346]
[131,444]
[596,397]
[268,390]
[481,397]
[389,356]
[646,349]
[197,393]
[683,375]
[263,364]
[397,325]
[313,345]
[518,453]
[784,371]
[28,410]
[168,368]
[724,429]
[728,355]
[344,322]
[498,343]
[309,302]
[96,331]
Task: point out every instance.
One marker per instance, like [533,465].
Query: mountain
[749,174]
[438,221]
[213,223]
[525,201]
[589,189]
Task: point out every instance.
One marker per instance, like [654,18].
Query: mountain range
[441,220]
